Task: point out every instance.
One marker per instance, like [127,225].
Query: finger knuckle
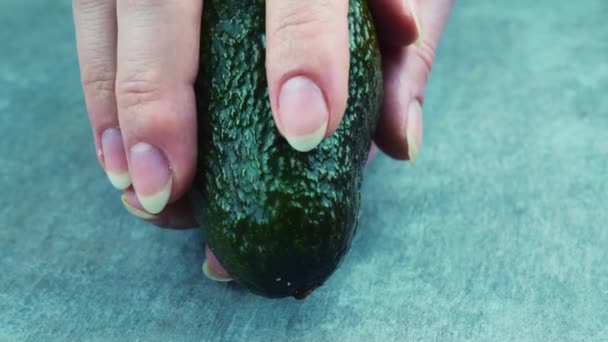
[85,4]
[304,20]
[90,7]
[98,83]
[138,88]
[426,55]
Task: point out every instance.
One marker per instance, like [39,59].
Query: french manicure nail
[413,132]
[136,212]
[211,274]
[151,177]
[303,113]
[115,159]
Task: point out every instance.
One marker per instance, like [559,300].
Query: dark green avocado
[278,220]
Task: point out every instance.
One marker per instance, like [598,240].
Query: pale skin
[138,62]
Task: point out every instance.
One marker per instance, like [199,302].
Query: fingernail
[303,113]
[211,274]
[414,10]
[136,212]
[413,132]
[115,159]
[151,177]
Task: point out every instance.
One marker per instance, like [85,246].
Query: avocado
[278,220]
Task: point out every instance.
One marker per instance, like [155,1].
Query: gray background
[499,233]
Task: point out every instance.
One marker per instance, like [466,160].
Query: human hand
[138,81]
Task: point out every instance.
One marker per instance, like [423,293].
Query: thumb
[406,72]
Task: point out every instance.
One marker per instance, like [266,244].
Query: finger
[177,215]
[371,155]
[308,64]
[156,68]
[213,269]
[95,25]
[395,21]
[406,71]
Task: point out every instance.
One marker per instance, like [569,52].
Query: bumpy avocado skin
[278,220]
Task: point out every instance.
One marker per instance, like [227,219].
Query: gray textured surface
[499,233]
